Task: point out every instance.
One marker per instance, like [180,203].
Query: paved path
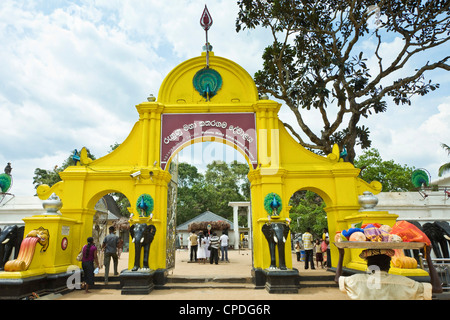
[240,265]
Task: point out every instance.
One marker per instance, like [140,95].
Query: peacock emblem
[272,204]
[145,205]
[6,179]
[207,82]
[420,178]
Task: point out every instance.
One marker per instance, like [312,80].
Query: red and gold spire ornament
[206,22]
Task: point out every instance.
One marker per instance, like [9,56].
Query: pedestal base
[282,281]
[136,282]
[258,278]
[19,288]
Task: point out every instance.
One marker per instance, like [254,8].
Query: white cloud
[72,73]
[412,135]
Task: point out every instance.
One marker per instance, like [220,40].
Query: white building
[428,204]
[423,207]
[207,216]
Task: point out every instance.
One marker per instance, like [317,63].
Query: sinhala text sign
[237,128]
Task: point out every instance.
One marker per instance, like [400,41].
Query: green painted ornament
[420,177]
[5,182]
[145,205]
[207,82]
[272,203]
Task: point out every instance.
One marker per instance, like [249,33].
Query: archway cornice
[267,106]
[208,108]
[147,109]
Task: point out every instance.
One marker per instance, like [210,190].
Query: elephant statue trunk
[27,248]
[142,236]
[276,235]
[10,238]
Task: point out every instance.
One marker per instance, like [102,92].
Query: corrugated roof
[205,216]
[112,206]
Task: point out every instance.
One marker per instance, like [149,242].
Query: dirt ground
[240,265]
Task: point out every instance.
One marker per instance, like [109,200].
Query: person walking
[319,254]
[307,239]
[119,247]
[109,246]
[214,243]
[207,250]
[224,246]
[87,263]
[193,242]
[326,238]
[201,250]
[297,250]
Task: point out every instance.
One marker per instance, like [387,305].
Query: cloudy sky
[72,72]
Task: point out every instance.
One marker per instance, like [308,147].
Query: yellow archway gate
[216,103]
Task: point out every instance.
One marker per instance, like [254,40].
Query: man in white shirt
[326,238]
[378,284]
[224,246]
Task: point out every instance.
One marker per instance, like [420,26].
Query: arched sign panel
[237,128]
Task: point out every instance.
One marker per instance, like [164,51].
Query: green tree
[191,194]
[50,177]
[307,211]
[318,60]
[229,178]
[212,191]
[188,176]
[446,166]
[393,176]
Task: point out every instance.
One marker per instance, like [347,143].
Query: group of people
[377,283]
[205,247]
[317,248]
[112,246]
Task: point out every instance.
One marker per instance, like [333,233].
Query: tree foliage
[393,176]
[319,61]
[50,177]
[308,208]
[307,212]
[212,191]
[446,166]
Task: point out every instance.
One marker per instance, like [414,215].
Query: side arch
[319,191]
[95,197]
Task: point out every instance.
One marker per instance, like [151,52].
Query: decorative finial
[264,97]
[52,204]
[206,22]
